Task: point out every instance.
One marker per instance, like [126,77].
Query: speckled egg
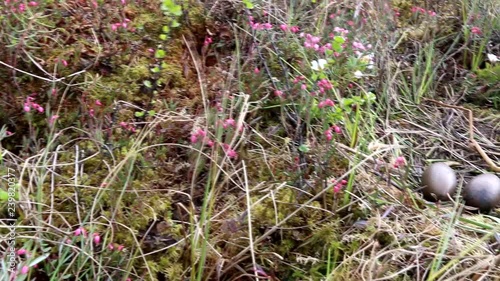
[483,192]
[439,182]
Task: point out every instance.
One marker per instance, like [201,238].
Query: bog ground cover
[246,140]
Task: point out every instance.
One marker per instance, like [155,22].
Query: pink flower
[359,46]
[53,118]
[294,29]
[21,252]
[229,123]
[32,4]
[111,247]
[97,238]
[256,70]
[197,135]
[38,107]
[337,129]
[91,112]
[328,135]
[475,30]
[120,248]
[231,153]
[210,143]
[329,102]
[278,93]
[341,30]
[303,87]
[98,103]
[123,2]
[9,133]
[208,41]
[284,27]
[26,107]
[64,62]
[193,138]
[25,269]
[267,25]
[201,133]
[337,188]
[81,231]
[399,162]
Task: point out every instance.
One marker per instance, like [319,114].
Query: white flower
[318,65]
[369,60]
[358,74]
[492,58]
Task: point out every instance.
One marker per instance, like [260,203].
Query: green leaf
[155,69]
[248,4]
[163,37]
[4,195]
[314,77]
[175,24]
[147,83]
[339,39]
[151,113]
[159,54]
[139,114]
[337,47]
[39,259]
[165,29]
[176,10]
[304,148]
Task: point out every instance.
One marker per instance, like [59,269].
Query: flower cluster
[117,25]
[208,41]
[329,132]
[417,10]
[476,30]
[292,29]
[326,103]
[259,26]
[20,6]
[399,162]
[324,85]
[128,126]
[338,186]
[313,42]
[201,135]
[30,104]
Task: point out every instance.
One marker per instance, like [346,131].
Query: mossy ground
[118,159]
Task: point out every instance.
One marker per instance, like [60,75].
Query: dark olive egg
[483,192]
[439,182]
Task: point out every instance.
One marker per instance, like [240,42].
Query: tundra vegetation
[245,139]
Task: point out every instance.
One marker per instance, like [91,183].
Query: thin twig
[473,142]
